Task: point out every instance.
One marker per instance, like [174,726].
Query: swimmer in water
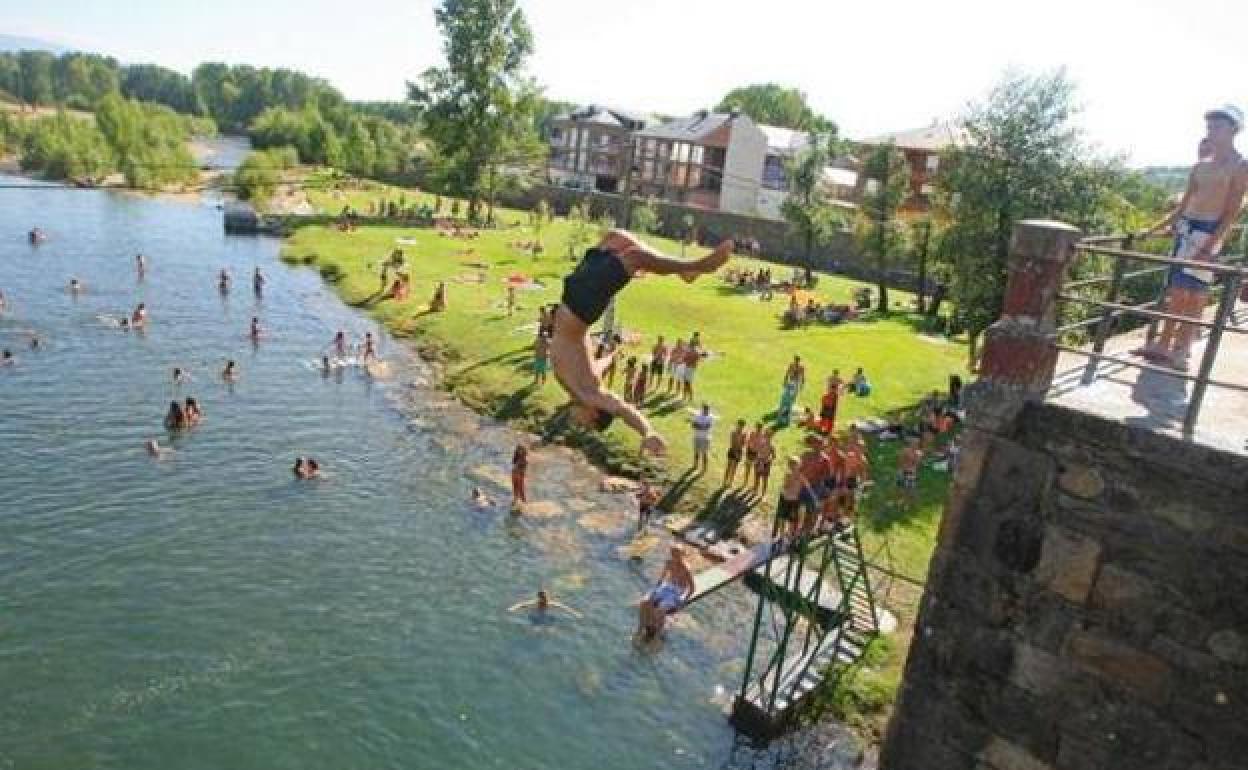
[257,281]
[481,499]
[180,376]
[34,342]
[75,286]
[370,349]
[155,449]
[140,265]
[306,468]
[230,372]
[340,343]
[254,333]
[139,318]
[192,411]
[6,358]
[326,367]
[1,303]
[124,324]
[543,604]
[176,418]
[223,282]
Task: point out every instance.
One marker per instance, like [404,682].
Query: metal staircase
[816,615]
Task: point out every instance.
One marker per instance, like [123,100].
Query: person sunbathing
[587,291]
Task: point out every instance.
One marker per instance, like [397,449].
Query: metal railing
[1229,277]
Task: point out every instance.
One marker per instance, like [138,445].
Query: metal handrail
[1231,278]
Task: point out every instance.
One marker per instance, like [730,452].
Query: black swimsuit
[588,289]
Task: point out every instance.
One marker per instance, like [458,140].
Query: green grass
[487,359]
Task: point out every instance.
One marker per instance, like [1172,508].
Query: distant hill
[19,43]
[1170,178]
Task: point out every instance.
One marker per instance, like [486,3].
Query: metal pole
[1107,319]
[1226,306]
[758,614]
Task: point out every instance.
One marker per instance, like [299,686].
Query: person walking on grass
[541,359]
[640,382]
[762,466]
[736,451]
[587,291]
[658,361]
[693,356]
[702,423]
[828,404]
[675,367]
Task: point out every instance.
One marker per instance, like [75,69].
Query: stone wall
[1087,605]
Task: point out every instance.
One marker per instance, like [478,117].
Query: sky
[1146,71]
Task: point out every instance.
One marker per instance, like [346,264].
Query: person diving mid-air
[587,291]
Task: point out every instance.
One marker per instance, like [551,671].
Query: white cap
[1230,112]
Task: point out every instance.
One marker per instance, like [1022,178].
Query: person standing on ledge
[1208,210]
[587,291]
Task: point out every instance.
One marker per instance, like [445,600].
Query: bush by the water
[259,174]
[145,142]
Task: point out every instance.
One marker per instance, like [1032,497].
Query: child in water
[587,291]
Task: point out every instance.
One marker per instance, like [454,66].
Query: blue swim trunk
[1190,234]
[667,597]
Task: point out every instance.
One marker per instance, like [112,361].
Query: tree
[541,215]
[581,230]
[808,208]
[881,234]
[921,241]
[645,218]
[775,105]
[477,108]
[1023,158]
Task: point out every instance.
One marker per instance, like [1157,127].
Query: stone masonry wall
[1087,606]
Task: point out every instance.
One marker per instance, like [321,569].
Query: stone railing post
[1019,357]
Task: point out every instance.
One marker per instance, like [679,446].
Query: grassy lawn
[488,355]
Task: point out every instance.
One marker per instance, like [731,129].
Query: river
[207,610]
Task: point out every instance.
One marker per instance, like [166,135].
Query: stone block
[1119,589]
[1081,481]
[1140,673]
[1229,646]
[1000,754]
[1037,671]
[1068,563]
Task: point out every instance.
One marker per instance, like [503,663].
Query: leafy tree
[36,84]
[64,147]
[775,105]
[808,207]
[541,216]
[687,224]
[881,234]
[258,175]
[153,83]
[645,218]
[359,153]
[1023,158]
[477,109]
[921,235]
[581,230]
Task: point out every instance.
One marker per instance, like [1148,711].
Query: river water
[206,610]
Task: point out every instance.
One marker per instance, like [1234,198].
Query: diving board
[710,580]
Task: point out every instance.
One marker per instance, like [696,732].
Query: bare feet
[711,262]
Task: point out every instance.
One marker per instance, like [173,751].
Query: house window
[556,135]
[697,154]
[774,177]
[933,163]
